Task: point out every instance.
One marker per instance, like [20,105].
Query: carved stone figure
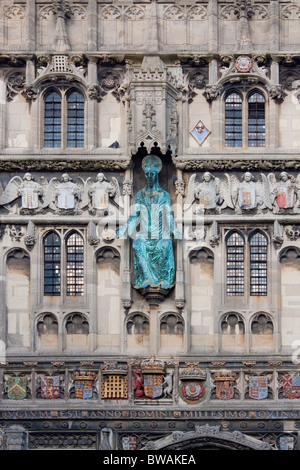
[138,385]
[213,194]
[101,191]
[154,263]
[249,195]
[67,193]
[29,190]
[284,192]
[168,382]
[64,195]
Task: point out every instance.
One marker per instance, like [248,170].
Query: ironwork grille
[52,264]
[75,260]
[235,265]
[258,265]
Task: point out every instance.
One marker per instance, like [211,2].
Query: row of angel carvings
[216,194]
[64,196]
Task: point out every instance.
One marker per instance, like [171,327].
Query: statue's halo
[153,162]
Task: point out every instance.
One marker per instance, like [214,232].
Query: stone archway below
[207,437]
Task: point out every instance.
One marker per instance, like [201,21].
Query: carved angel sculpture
[29,191]
[212,193]
[283,193]
[100,191]
[64,195]
[248,195]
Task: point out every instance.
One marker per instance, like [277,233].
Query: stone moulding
[207,434]
[204,162]
[82,164]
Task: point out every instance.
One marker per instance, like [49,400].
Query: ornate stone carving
[28,190]
[15,84]
[212,194]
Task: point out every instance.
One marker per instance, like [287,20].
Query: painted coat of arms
[258,387]
[129,442]
[286,442]
[50,387]
[153,376]
[285,197]
[225,382]
[291,386]
[193,386]
[16,388]
[83,385]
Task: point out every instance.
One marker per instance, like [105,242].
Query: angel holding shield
[29,190]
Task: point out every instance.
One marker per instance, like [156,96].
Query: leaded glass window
[75,274]
[52,267]
[235,265]
[233,120]
[75,131]
[258,264]
[52,124]
[256,120]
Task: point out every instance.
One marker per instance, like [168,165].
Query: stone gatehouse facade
[88,89]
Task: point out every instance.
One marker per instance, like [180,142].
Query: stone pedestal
[154,295]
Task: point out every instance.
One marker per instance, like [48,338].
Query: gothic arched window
[52,120]
[75,274]
[64,118]
[256,120]
[75,131]
[245,119]
[233,120]
[52,267]
[235,264]
[258,264]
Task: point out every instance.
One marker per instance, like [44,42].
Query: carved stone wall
[149,369]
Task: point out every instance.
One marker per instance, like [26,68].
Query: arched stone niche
[289,258]
[47,331]
[201,286]
[77,331]
[108,297]
[137,331]
[18,298]
[262,332]
[232,332]
[171,331]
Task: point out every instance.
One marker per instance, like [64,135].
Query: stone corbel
[30,239]
[277,234]
[93,237]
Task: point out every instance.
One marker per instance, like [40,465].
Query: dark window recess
[52,264]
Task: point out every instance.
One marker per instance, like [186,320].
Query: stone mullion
[92,107]
[274,25]
[212,10]
[2,110]
[30,24]
[92,25]
[273,118]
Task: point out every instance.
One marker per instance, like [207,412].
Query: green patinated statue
[154,263]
